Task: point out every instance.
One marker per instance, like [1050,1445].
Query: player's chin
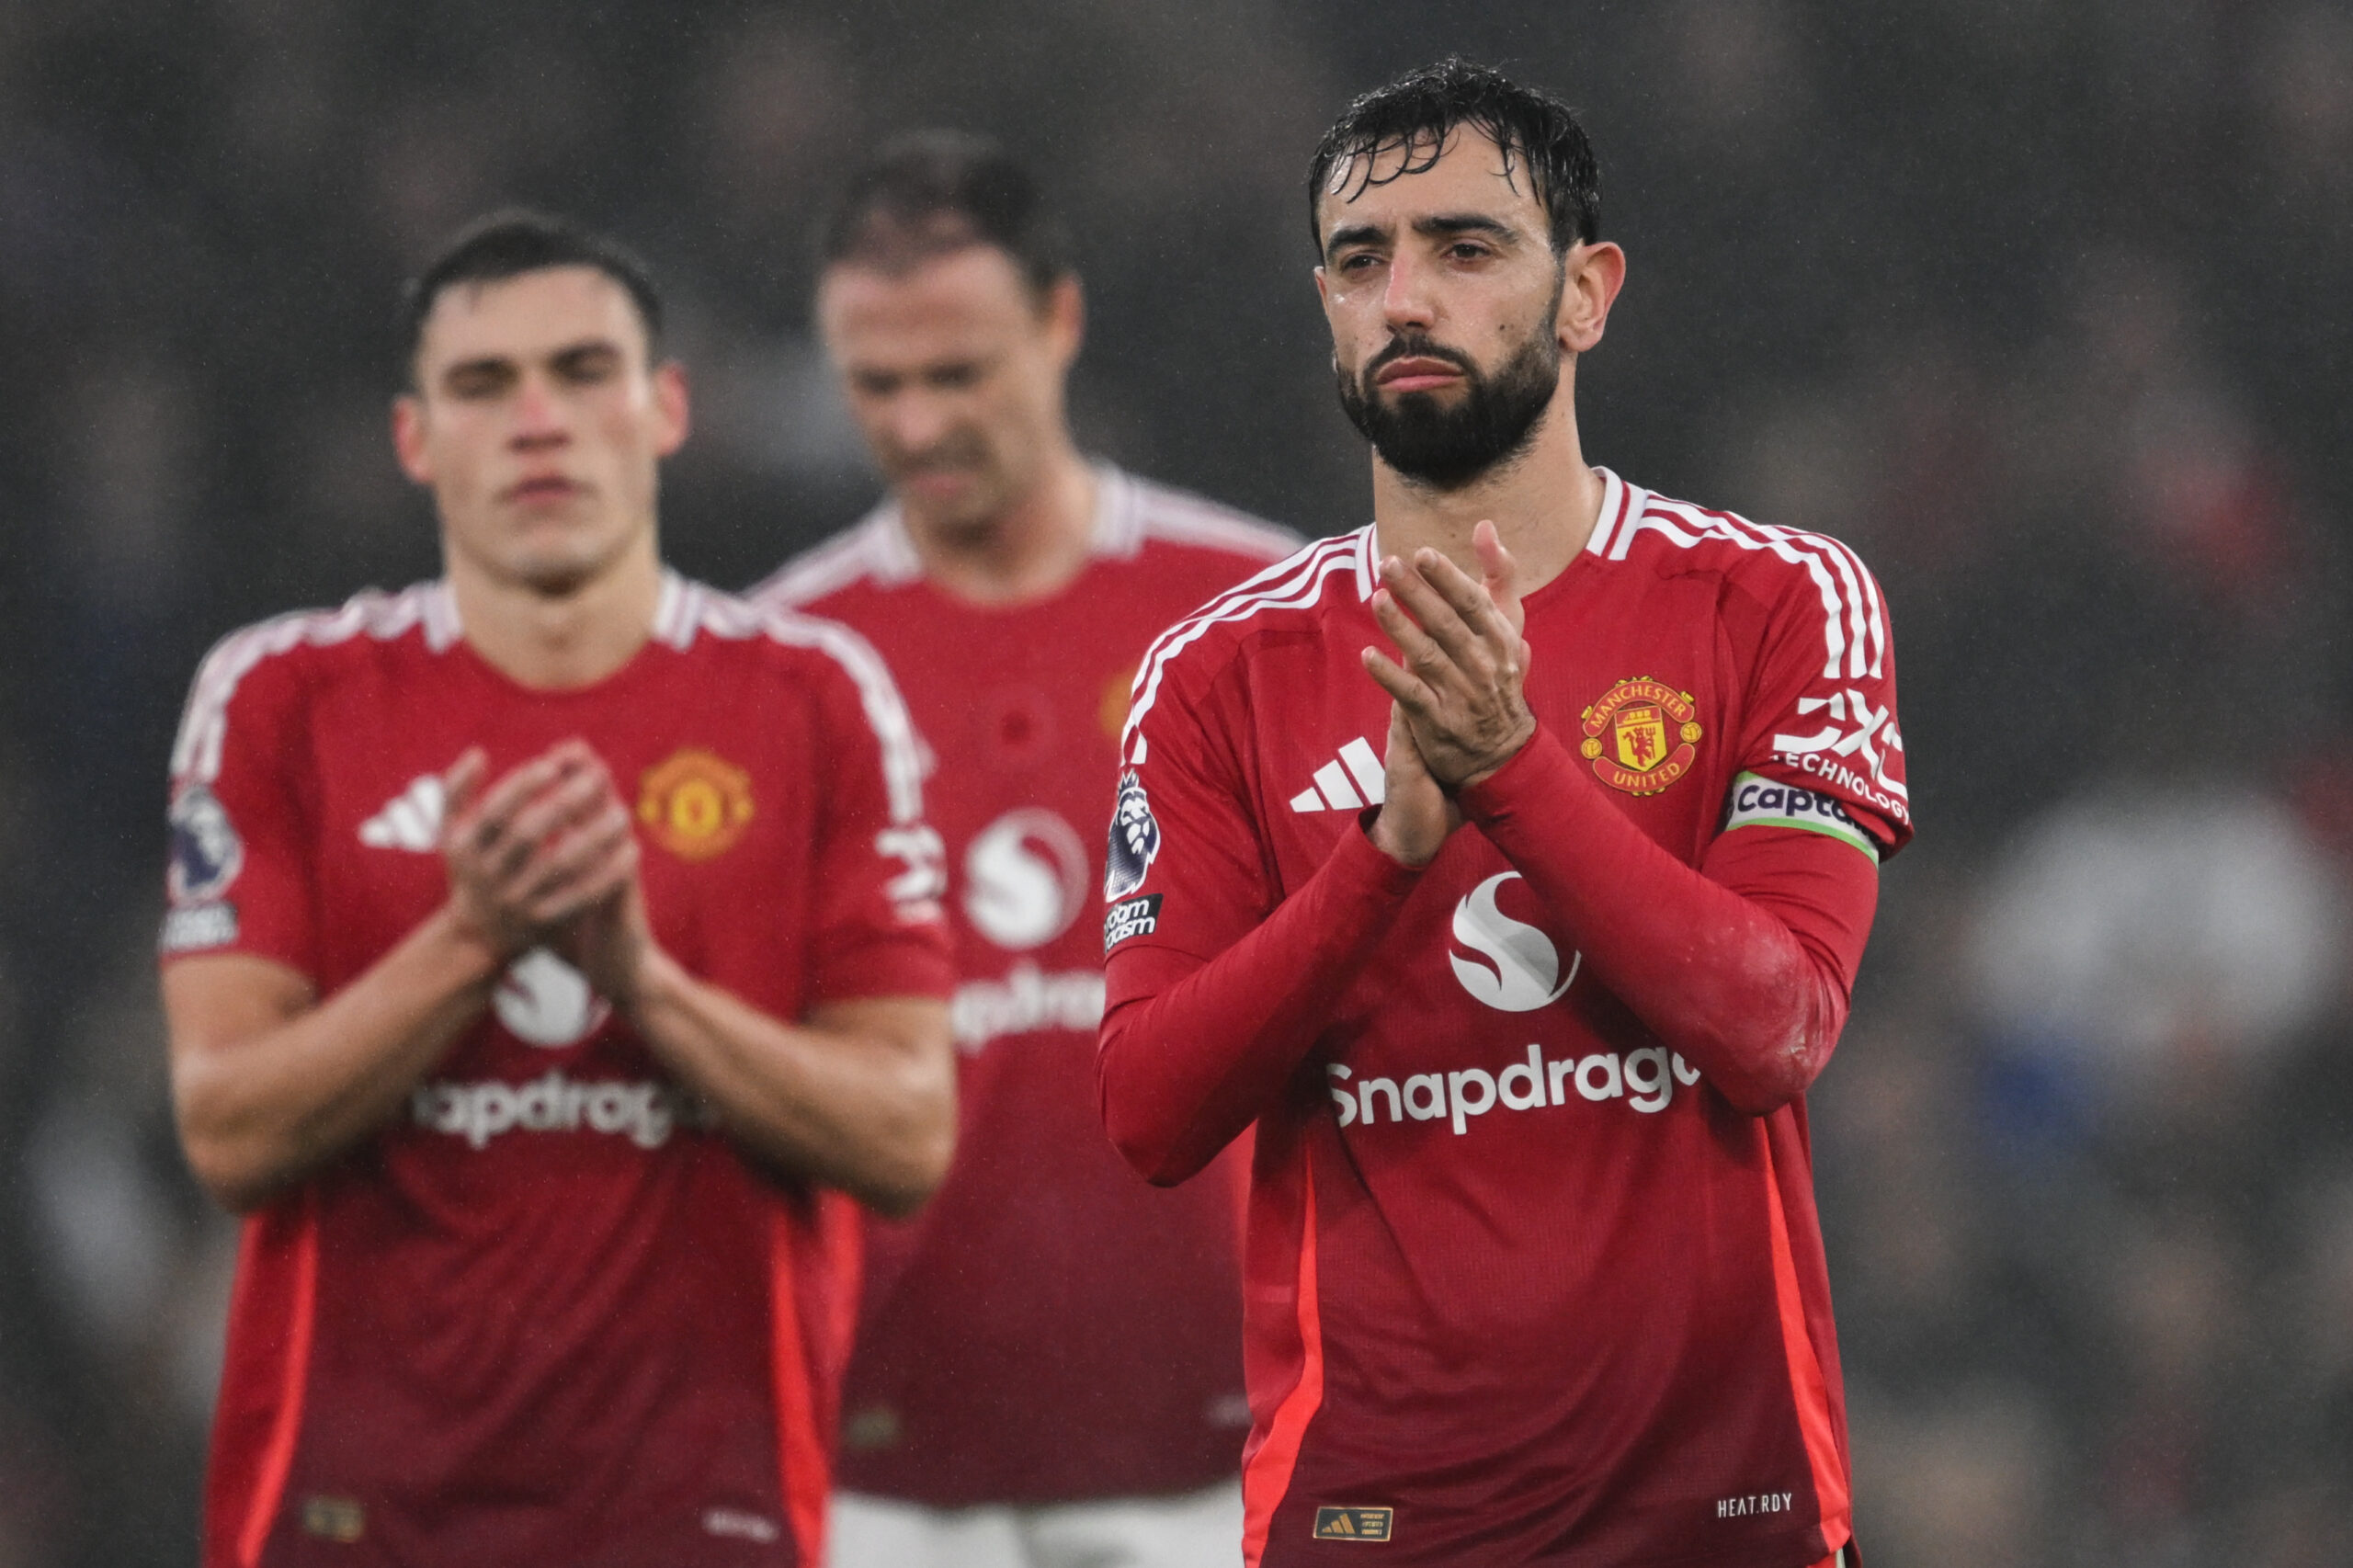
[558,572]
[971,501]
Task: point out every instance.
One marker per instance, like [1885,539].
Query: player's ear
[1065,308]
[408,437]
[1594,272]
[670,407]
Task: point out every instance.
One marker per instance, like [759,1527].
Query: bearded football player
[553,955]
[1508,862]
[1047,1365]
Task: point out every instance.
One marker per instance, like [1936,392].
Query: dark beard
[1445,447]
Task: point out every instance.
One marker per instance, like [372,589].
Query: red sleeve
[1192,1051]
[879,867]
[1743,966]
[1820,708]
[241,815]
[1215,988]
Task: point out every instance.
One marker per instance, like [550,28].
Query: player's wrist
[471,949]
[1500,758]
[1411,847]
[649,985]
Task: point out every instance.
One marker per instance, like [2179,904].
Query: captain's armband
[1757,802]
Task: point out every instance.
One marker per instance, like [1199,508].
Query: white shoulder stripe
[1851,621]
[1223,531]
[1618,500]
[828,567]
[204,723]
[1290,583]
[1865,624]
[722,615]
[1865,610]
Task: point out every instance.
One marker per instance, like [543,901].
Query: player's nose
[539,414]
[1406,299]
[918,423]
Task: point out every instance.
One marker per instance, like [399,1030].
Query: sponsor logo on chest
[1512,966]
[1025,878]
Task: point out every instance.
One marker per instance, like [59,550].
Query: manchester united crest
[1641,736]
[695,805]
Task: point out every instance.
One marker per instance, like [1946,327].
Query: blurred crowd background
[2040,303]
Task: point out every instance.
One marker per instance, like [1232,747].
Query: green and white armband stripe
[1764,802]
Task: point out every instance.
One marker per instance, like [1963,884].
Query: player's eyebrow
[1352,234]
[1447,224]
[589,351]
[474,370]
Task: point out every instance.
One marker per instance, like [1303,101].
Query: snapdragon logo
[545,1002]
[1644,1079]
[1025,878]
[1517,969]
[644,1113]
[1025,1000]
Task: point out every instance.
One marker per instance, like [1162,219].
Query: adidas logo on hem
[1333,790]
[410,819]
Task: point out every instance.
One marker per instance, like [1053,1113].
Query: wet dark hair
[928,192]
[511,242]
[1419,110]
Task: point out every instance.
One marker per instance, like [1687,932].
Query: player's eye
[1358,261]
[1467,250]
[952,377]
[476,383]
[587,367]
[873,384]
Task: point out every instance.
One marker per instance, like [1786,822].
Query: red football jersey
[1522,1287]
[1050,1328]
[550,1315]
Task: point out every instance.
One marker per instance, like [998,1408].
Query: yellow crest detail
[696,805]
[1640,735]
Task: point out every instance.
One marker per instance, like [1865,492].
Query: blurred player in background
[551,947]
[1047,1367]
[1509,861]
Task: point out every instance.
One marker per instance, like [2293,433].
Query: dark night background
[2039,303]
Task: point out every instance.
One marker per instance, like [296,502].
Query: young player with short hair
[1507,862]
[1048,1368]
[553,950]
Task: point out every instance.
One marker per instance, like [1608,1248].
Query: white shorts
[1196,1529]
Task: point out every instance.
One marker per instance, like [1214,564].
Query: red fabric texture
[532,1319]
[1049,1328]
[1191,1050]
[1744,965]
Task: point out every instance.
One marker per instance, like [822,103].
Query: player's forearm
[1193,1052]
[1719,979]
[863,1098]
[266,1088]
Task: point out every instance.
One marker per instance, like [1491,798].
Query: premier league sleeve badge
[1135,839]
[206,854]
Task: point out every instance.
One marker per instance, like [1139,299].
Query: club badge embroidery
[1640,735]
[695,805]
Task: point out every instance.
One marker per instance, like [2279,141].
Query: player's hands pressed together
[860,1094]
[535,852]
[1459,704]
[1416,816]
[269,1080]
